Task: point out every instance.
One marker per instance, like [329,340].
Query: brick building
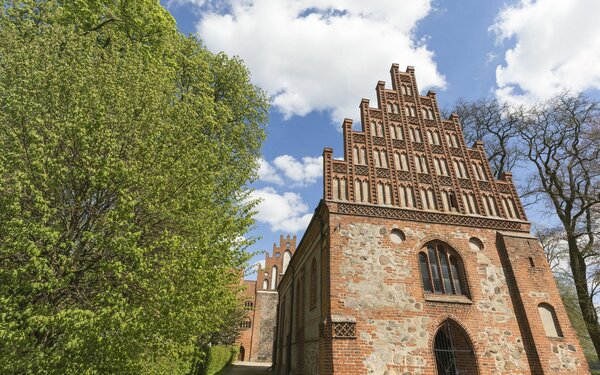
[417,261]
[260,300]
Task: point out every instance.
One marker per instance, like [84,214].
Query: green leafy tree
[125,149]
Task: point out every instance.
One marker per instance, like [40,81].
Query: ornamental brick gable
[417,261]
[415,165]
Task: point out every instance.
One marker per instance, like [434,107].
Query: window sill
[463,300]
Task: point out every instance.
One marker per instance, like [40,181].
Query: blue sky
[318,58]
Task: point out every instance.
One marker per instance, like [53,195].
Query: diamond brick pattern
[383,173]
[362,170]
[504,188]
[398,143]
[425,178]
[339,167]
[344,330]
[464,183]
[485,185]
[395,117]
[432,217]
[358,138]
[437,149]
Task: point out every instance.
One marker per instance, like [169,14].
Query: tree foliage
[560,142]
[497,125]
[555,248]
[126,148]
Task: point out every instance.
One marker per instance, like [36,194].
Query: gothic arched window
[287,256]
[274,275]
[453,351]
[549,320]
[442,270]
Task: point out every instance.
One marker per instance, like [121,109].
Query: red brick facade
[422,262]
[260,299]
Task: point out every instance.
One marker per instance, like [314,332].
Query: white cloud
[267,173]
[303,172]
[296,172]
[320,55]
[285,212]
[557,48]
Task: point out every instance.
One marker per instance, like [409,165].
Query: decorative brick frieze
[427,269]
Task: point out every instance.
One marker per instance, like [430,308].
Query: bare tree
[497,125]
[562,142]
[555,248]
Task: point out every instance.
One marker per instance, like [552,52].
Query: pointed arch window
[428,199]
[380,129]
[453,351]
[287,256]
[430,114]
[361,190]
[442,270]
[421,164]
[339,188]
[359,156]
[470,204]
[509,207]
[265,284]
[449,201]
[407,198]
[384,194]
[415,135]
[549,320]
[274,275]
[433,137]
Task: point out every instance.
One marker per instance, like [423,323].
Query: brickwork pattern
[258,340]
[373,315]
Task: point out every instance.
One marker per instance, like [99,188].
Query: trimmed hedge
[219,357]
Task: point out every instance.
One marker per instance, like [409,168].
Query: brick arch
[438,323]
[454,246]
[439,237]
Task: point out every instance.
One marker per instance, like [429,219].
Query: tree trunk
[579,268]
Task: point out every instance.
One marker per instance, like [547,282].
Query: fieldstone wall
[378,282]
[266,309]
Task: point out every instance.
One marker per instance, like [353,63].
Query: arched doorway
[241,354]
[453,351]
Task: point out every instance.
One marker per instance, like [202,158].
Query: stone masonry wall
[377,282]
[264,331]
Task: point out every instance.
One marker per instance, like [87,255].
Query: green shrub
[219,357]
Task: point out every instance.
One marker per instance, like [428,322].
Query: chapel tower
[260,301]
[417,260]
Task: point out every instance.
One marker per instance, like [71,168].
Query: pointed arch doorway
[453,351]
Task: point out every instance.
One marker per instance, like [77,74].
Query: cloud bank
[320,55]
[556,48]
[285,212]
[287,170]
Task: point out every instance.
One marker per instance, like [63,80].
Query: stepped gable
[407,162]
